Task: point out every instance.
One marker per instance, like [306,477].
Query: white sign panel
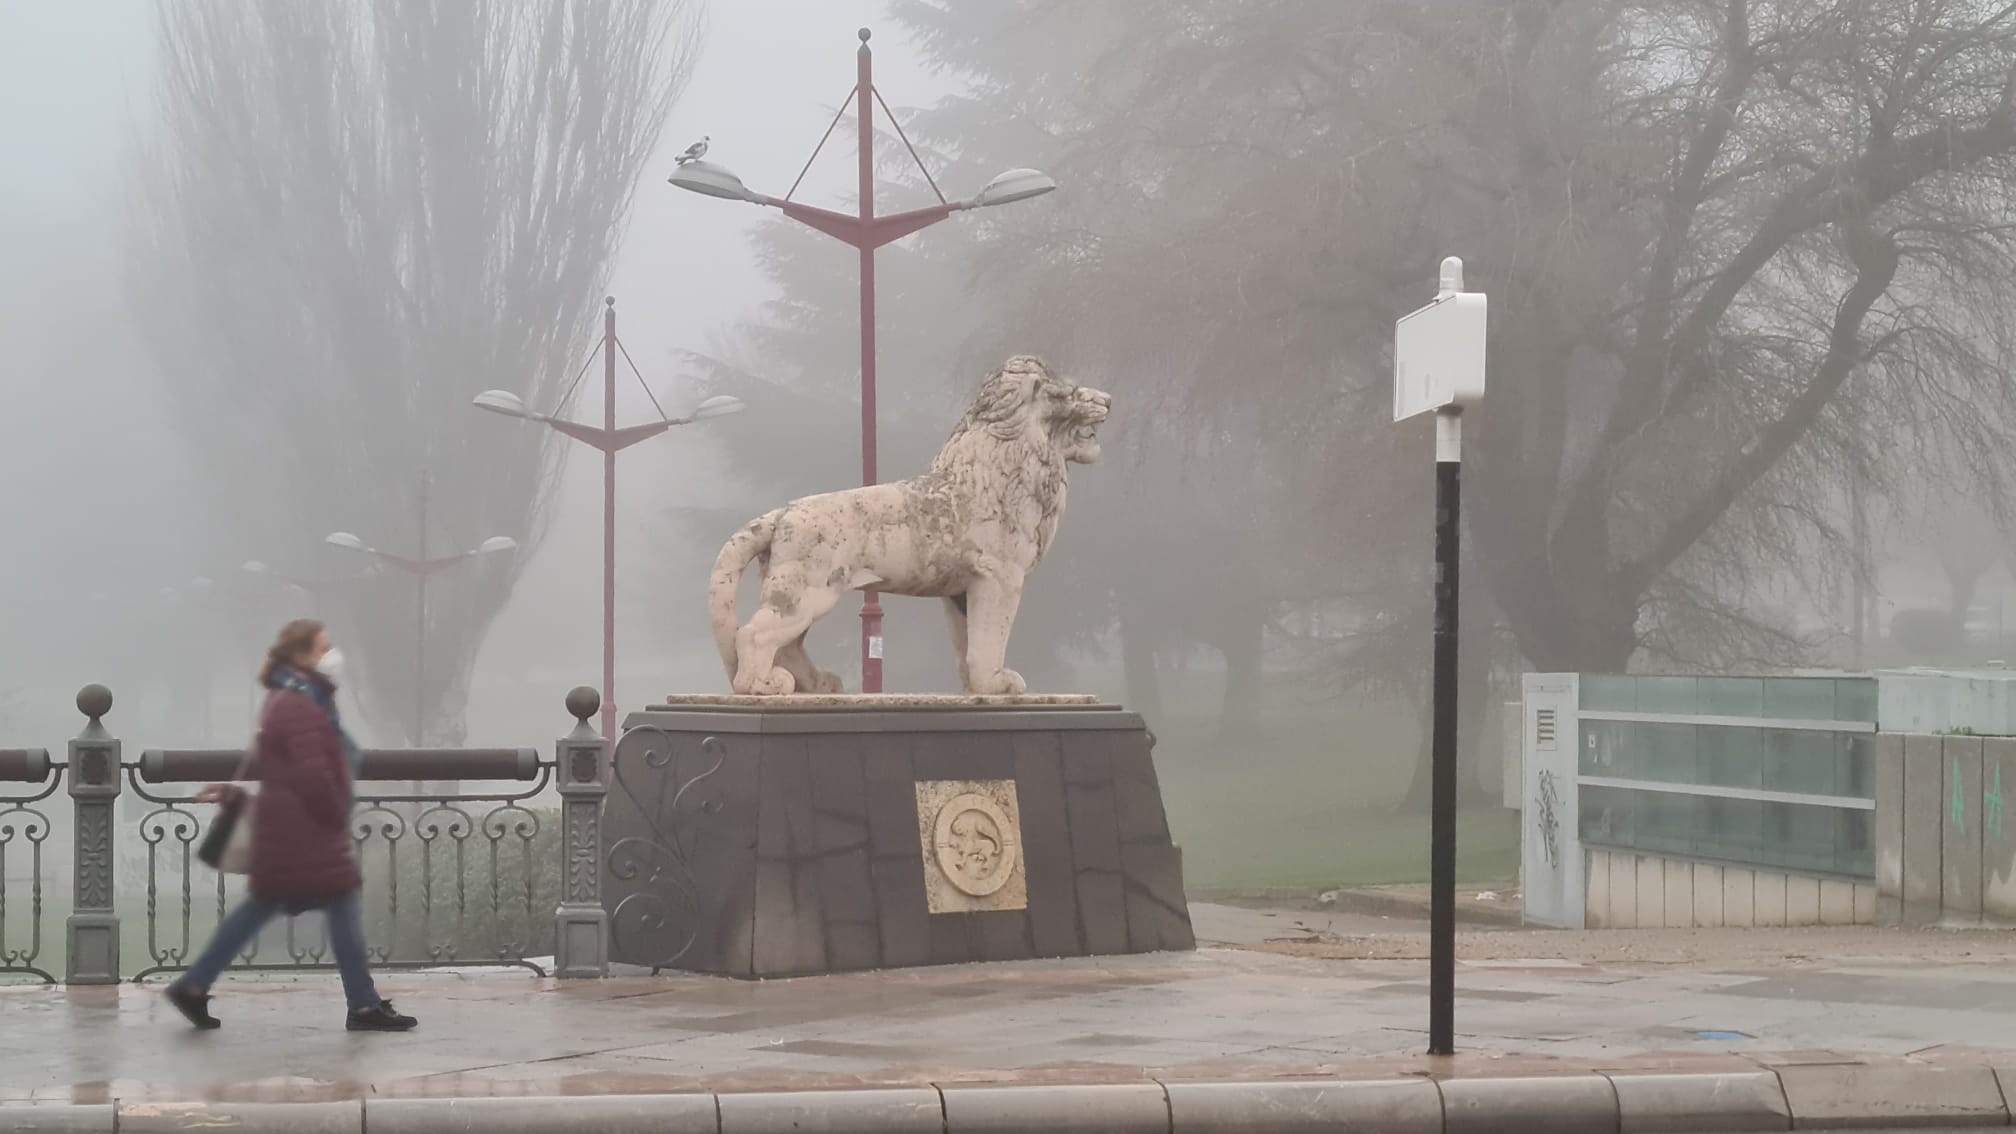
[1438,355]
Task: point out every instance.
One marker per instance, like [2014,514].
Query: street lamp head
[200,582]
[504,402]
[720,405]
[1012,186]
[495,544]
[346,541]
[708,179]
[254,567]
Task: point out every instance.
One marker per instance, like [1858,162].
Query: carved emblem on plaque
[971,836]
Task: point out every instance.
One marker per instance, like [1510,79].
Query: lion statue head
[1026,404]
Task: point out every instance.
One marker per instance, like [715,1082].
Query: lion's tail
[735,557]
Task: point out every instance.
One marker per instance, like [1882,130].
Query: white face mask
[331,665]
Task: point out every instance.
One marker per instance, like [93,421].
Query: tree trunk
[1560,635]
[1473,701]
[1137,659]
[1963,579]
[1597,638]
[1244,649]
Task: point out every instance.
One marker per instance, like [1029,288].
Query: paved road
[1220,1013]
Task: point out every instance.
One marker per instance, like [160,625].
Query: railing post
[91,935]
[581,925]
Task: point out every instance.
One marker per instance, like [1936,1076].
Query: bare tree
[349,220]
[1735,248]
[1734,221]
[1204,262]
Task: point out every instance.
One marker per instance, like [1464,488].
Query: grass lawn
[1311,804]
[17,934]
[135,950]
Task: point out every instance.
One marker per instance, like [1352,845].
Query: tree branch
[1876,260]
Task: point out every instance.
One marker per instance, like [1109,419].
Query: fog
[201,368]
[94,539]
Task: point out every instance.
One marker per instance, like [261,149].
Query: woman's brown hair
[296,638]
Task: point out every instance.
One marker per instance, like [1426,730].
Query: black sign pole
[1442,820]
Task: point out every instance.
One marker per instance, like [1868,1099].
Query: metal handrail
[24,765]
[215,765]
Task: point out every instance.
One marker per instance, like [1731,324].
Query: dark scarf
[322,691]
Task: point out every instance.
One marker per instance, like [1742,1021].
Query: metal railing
[451,878]
[433,926]
[24,828]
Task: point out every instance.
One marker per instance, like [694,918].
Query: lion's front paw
[1006,683]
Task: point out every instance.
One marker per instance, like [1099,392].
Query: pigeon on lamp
[694,152]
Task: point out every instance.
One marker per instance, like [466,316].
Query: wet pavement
[1219,1014]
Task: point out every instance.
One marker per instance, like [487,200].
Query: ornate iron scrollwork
[23,827]
[661,917]
[438,915]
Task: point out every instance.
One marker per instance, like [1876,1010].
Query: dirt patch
[1493,906]
[1746,947]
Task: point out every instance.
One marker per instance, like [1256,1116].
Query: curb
[1793,1097]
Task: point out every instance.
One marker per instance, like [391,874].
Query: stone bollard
[92,931]
[581,925]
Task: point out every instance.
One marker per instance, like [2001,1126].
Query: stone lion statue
[969,532]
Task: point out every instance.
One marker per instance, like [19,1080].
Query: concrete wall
[1930,702]
[1626,890]
[1944,852]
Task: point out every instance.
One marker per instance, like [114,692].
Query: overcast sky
[75,73]
[75,84]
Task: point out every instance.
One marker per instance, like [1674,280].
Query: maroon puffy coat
[301,848]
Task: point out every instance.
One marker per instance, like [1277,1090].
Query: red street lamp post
[422,567]
[867,232]
[609,440]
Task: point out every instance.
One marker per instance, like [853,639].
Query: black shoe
[194,1006]
[380,1019]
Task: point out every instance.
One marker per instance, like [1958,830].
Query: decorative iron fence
[452,877]
[414,849]
[24,828]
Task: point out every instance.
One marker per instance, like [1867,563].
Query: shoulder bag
[227,845]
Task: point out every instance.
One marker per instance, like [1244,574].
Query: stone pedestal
[791,836]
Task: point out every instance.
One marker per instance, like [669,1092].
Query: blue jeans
[346,940]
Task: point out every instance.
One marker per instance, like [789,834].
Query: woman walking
[302,856]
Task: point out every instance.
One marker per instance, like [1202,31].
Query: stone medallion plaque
[970,832]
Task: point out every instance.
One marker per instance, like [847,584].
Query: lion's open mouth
[1085,433]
